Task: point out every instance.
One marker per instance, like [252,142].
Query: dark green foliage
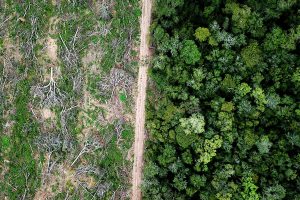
[228,123]
[189,52]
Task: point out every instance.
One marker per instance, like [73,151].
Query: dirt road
[140,102]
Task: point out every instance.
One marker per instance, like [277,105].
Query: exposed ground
[140,102]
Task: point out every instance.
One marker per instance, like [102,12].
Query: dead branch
[51,143]
[104,11]
[26,175]
[117,78]
[49,94]
[30,39]
[128,45]
[115,43]
[64,115]
[70,54]
[119,128]
[101,29]
[90,145]
[54,145]
[101,118]
[88,170]
[102,188]
[78,80]
[2,24]
[51,163]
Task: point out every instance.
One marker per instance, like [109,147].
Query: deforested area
[223,112]
[67,83]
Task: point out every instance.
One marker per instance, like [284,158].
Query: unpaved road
[140,102]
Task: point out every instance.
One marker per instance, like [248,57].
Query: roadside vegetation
[67,78]
[224,107]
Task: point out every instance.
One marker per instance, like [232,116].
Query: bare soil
[47,113]
[140,102]
[52,49]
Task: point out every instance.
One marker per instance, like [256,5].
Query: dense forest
[223,113]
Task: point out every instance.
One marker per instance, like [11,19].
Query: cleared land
[67,73]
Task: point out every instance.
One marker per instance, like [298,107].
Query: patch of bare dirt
[11,49]
[93,58]
[52,49]
[47,114]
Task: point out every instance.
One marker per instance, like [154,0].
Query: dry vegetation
[67,75]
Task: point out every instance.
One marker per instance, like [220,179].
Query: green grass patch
[122,96]
[22,163]
[5,142]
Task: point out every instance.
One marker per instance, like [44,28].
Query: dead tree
[49,94]
[4,23]
[64,115]
[49,143]
[128,45]
[119,128]
[101,118]
[90,145]
[88,170]
[104,29]
[120,193]
[104,11]
[78,81]
[102,188]
[117,78]
[82,171]
[30,37]
[69,54]
[101,29]
[54,144]
[2,78]
[26,176]
[81,174]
